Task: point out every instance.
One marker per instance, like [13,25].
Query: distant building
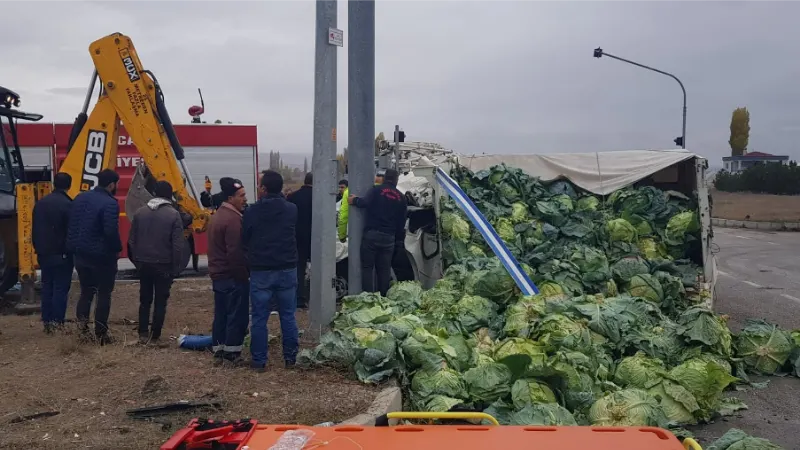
[736,164]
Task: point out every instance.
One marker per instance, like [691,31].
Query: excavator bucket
[141,192]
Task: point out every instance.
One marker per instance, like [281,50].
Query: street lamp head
[598,52]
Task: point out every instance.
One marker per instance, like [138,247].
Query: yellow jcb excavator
[130,96]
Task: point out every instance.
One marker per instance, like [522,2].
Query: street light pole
[598,52]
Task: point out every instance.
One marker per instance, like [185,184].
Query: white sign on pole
[336,37]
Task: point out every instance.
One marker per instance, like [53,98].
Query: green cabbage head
[736,439]
[627,408]
[520,346]
[624,269]
[455,227]
[701,325]
[678,404]
[519,213]
[488,382]
[639,371]
[557,330]
[529,391]
[443,381]
[651,249]
[476,251]
[475,312]
[505,229]
[522,315]
[441,403]
[763,346]
[551,291]
[379,340]
[588,204]
[647,287]
[620,230]
[680,225]
[705,379]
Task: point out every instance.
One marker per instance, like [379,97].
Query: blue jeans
[231,315]
[56,281]
[280,285]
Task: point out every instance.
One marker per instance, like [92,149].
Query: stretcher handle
[691,444]
[383,421]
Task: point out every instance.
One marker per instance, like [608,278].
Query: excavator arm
[131,95]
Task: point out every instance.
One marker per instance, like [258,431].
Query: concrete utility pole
[324,165]
[361,123]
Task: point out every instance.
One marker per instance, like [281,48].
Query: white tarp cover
[617,169]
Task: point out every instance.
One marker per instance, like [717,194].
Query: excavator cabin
[19,189]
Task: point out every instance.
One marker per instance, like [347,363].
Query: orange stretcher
[251,435]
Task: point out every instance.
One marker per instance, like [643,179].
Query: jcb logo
[130,67]
[93,161]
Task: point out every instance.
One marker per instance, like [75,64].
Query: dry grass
[93,386]
[756,207]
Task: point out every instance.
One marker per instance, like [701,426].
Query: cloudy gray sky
[475,76]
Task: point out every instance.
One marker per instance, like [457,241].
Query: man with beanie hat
[385,211]
[215,201]
[230,278]
[156,243]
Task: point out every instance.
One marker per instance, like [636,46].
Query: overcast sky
[477,76]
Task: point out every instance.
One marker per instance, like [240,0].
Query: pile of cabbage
[620,333]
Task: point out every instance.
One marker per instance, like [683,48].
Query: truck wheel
[340,282]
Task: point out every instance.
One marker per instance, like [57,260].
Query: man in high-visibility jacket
[344,210]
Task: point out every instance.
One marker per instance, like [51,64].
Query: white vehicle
[600,173]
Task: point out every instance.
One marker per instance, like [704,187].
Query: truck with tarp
[426,169]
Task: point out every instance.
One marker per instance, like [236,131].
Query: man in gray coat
[156,245]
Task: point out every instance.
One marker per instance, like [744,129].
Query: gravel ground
[91,387]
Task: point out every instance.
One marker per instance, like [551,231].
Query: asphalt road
[760,277]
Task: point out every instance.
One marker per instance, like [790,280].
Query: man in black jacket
[50,221]
[302,199]
[384,230]
[269,242]
[93,238]
[157,245]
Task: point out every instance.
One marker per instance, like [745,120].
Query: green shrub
[768,178]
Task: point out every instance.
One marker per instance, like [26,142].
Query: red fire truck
[213,150]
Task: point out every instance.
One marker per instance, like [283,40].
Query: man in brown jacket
[156,245]
[230,278]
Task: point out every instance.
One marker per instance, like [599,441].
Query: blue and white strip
[488,232]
